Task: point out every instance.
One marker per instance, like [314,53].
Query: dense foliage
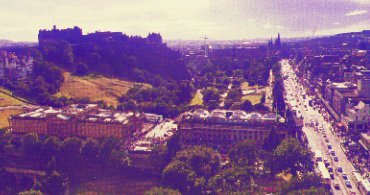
[64,161]
[134,57]
[198,169]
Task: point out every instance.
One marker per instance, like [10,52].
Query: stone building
[230,126]
[77,120]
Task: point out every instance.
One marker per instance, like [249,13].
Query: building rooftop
[86,112]
[230,116]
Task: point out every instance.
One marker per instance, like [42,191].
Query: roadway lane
[294,96]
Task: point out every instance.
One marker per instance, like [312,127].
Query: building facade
[224,126]
[15,67]
[77,120]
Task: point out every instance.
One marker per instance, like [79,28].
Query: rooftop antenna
[205,43]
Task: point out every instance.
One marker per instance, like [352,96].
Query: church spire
[278,41]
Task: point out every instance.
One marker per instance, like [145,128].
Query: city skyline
[187,20]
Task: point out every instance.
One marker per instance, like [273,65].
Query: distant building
[77,120]
[230,126]
[357,116]
[336,94]
[15,67]
[364,83]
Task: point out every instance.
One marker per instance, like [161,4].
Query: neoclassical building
[230,126]
[77,120]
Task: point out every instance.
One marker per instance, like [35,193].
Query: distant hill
[96,87]
[9,44]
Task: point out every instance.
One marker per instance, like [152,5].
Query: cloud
[267,26]
[361,1]
[356,12]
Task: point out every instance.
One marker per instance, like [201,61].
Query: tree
[90,150]
[203,160]
[263,98]
[119,159]
[271,141]
[311,190]
[211,94]
[31,144]
[178,175]
[162,191]
[5,141]
[289,154]
[173,145]
[82,69]
[247,106]
[234,179]
[308,181]
[186,91]
[160,157]
[7,182]
[70,156]
[54,183]
[244,153]
[51,147]
[106,148]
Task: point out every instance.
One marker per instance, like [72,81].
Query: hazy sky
[185,19]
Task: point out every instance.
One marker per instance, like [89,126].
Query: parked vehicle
[336,186]
[348,184]
[344,175]
[331,175]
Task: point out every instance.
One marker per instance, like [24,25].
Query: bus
[364,186]
[324,173]
[318,156]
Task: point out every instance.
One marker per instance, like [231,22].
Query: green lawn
[253,98]
[197,99]
[245,86]
[5,114]
[6,100]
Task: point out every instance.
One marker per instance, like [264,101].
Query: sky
[186,19]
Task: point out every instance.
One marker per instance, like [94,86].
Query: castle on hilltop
[74,35]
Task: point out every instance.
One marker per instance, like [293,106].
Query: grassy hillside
[6,100]
[95,87]
[5,114]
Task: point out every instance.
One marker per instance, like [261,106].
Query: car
[332,152]
[329,146]
[327,140]
[340,169]
[336,186]
[330,169]
[332,175]
[336,159]
[344,175]
[348,184]
[324,135]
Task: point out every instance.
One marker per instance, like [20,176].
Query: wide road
[294,96]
